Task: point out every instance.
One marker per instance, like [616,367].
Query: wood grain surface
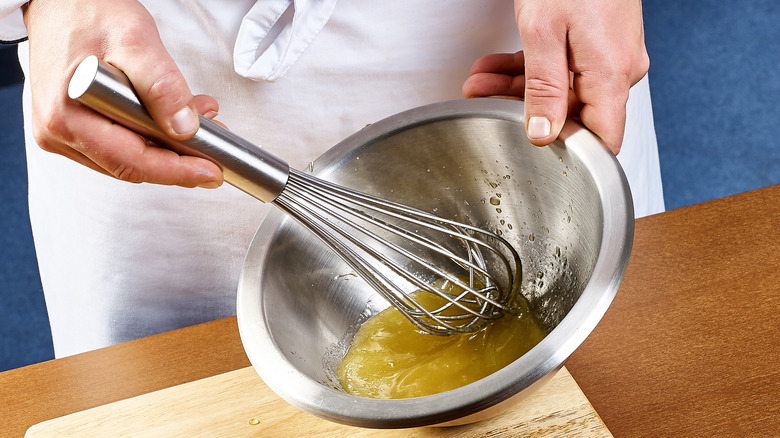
[239,404]
[688,348]
[47,390]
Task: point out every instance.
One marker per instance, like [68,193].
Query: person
[119,261]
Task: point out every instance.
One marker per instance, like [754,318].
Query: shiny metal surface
[566,208]
[403,251]
[107,90]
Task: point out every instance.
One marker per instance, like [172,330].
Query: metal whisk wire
[350,222]
[397,249]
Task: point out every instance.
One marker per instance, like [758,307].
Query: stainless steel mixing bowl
[567,208]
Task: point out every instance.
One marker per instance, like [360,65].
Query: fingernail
[209,184]
[184,121]
[210,114]
[538,127]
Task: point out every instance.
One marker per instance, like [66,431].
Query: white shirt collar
[274,34]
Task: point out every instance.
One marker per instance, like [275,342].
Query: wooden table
[688,348]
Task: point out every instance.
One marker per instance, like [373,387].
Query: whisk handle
[107,90]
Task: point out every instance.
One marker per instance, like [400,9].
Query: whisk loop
[402,251]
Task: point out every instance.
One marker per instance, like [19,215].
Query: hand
[122,33]
[579,59]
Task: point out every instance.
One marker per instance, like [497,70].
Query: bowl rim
[542,360]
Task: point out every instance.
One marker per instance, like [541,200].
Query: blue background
[715,88]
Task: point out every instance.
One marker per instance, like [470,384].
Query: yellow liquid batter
[391,358]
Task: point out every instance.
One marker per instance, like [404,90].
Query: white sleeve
[12,28]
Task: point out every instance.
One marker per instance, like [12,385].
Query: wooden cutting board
[239,404]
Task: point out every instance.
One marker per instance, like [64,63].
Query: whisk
[472,274]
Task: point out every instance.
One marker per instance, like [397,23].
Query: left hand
[578,59]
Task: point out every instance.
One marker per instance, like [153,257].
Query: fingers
[492,84]
[121,32]
[539,73]
[206,106]
[603,79]
[496,75]
[599,103]
[156,78]
[166,95]
[603,108]
[128,156]
[512,64]
[97,143]
[546,80]
[579,59]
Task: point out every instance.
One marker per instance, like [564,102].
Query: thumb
[163,90]
[546,89]
[168,99]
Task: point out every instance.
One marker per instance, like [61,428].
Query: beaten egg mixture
[391,358]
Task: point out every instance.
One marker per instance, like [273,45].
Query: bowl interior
[466,160]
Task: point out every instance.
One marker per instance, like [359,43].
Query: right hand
[579,58]
[122,33]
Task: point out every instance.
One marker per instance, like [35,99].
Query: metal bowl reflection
[565,207]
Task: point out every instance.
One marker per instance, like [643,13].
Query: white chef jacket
[120,261]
